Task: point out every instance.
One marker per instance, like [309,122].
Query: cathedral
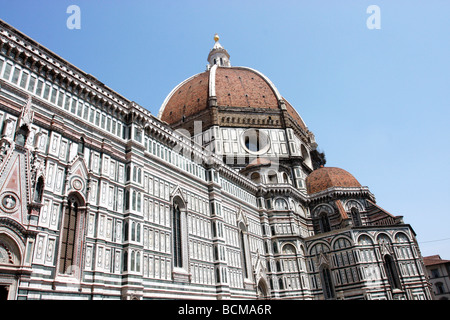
[222,195]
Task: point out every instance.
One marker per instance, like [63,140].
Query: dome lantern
[218,55]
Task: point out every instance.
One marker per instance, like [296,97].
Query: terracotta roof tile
[434,260]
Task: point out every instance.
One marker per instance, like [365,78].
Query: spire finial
[218,55]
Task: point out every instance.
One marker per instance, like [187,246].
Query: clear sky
[377,100]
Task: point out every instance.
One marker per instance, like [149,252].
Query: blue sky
[377,100]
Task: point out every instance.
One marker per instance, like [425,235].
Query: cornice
[283,189]
[31,55]
[58,121]
[341,192]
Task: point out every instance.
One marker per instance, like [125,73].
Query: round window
[255,141]
[9,202]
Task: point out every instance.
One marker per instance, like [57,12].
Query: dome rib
[212,81]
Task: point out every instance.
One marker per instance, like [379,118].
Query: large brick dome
[328,177]
[231,89]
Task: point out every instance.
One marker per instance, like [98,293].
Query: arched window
[133,202]
[356,217]
[255,177]
[401,238]
[69,235]
[384,239]
[22,135]
[133,260]
[9,251]
[275,247]
[134,174]
[364,240]
[177,237]
[125,261]
[217,275]
[327,283]
[272,177]
[324,222]
[139,202]
[126,201]
[4,291]
[262,289]
[341,243]
[280,283]
[125,231]
[278,265]
[138,232]
[133,231]
[391,272]
[138,262]
[180,239]
[281,204]
[244,248]
[39,190]
[440,288]
[81,146]
[127,173]
[244,254]
[318,248]
[285,178]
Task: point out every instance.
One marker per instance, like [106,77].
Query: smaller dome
[328,177]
